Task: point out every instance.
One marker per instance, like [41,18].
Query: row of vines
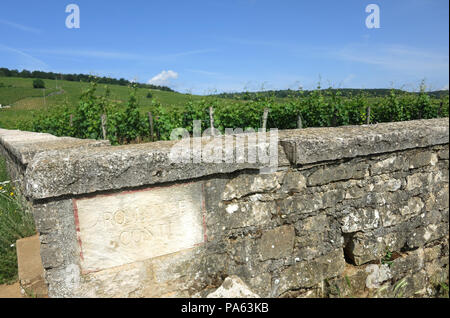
[321,108]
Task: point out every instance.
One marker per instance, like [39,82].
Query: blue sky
[205,46]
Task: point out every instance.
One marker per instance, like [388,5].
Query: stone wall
[349,211]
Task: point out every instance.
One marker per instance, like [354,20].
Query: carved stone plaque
[133,226]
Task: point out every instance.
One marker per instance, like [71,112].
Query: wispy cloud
[347,80]
[89,53]
[253,42]
[186,53]
[116,55]
[396,57]
[215,75]
[207,73]
[25,60]
[20,26]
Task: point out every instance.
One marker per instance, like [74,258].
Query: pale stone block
[133,226]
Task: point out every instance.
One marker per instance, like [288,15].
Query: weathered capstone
[82,171]
[26,145]
[351,141]
[348,211]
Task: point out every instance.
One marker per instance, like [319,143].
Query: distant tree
[149,95]
[25,74]
[38,83]
[4,72]
[14,73]
[38,74]
[69,77]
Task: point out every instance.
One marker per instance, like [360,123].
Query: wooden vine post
[264,121]
[299,122]
[158,135]
[368,115]
[211,120]
[150,119]
[104,126]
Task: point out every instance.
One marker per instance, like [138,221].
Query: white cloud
[445,88]
[163,78]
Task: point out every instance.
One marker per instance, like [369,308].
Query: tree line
[5,72]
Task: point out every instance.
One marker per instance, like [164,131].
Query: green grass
[10,95]
[443,290]
[26,100]
[15,223]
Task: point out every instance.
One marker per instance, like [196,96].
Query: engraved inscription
[133,226]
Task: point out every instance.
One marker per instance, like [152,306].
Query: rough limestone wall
[322,225]
[322,230]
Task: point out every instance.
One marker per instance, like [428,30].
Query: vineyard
[100,117]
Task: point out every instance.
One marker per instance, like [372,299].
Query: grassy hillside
[25,100]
